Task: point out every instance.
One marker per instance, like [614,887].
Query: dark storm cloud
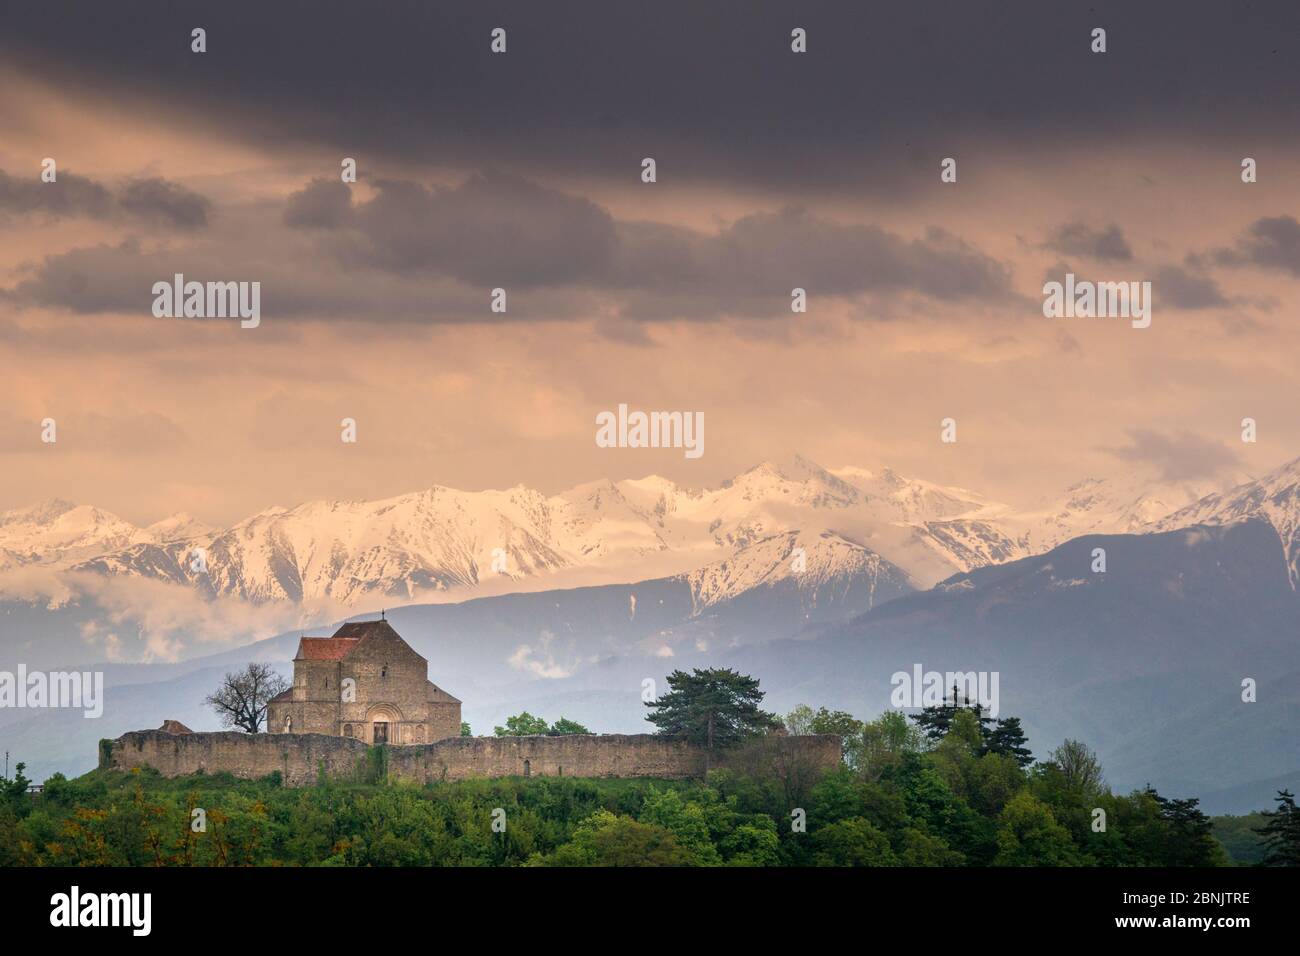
[70,197]
[1080,239]
[1182,456]
[431,254]
[711,90]
[499,230]
[159,203]
[750,268]
[148,201]
[491,231]
[1272,242]
[321,204]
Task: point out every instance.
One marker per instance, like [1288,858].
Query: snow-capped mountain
[351,553]
[1275,497]
[442,541]
[1129,503]
[820,568]
[58,530]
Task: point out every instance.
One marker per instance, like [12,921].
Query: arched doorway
[384,720]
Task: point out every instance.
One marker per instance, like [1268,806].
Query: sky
[522,170]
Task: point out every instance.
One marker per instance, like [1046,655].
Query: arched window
[528,769]
[347,730]
[383,671]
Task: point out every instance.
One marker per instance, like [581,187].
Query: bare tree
[241,699]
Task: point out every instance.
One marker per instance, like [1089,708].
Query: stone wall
[298,757]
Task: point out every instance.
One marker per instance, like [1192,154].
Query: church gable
[373,640]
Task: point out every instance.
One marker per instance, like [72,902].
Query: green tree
[1281,833]
[717,707]
[1079,768]
[799,721]
[882,743]
[934,721]
[1185,836]
[852,842]
[522,725]
[1028,835]
[609,839]
[464,729]
[1008,739]
[686,820]
[564,726]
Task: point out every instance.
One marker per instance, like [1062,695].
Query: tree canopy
[716,707]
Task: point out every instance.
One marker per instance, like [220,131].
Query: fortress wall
[298,756]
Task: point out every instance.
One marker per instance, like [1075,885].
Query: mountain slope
[1274,498]
[1143,662]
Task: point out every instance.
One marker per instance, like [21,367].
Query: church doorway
[381,731]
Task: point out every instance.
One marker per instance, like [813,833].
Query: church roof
[324,648]
[356,630]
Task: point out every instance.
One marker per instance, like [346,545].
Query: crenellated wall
[299,757]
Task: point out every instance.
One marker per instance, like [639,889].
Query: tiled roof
[283,695]
[324,648]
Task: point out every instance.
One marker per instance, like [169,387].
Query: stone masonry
[299,758]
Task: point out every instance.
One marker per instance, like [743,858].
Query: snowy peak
[177,527]
[58,529]
[1274,498]
[817,565]
[912,499]
[739,534]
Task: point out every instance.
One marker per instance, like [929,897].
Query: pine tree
[1282,832]
[1008,739]
[1191,841]
[935,721]
[716,707]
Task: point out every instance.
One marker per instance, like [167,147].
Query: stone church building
[367,683]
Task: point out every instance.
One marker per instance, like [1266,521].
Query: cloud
[1080,239]
[150,201]
[141,619]
[72,196]
[539,661]
[1176,286]
[321,204]
[1272,242]
[493,230]
[158,202]
[592,92]
[1181,456]
[431,254]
